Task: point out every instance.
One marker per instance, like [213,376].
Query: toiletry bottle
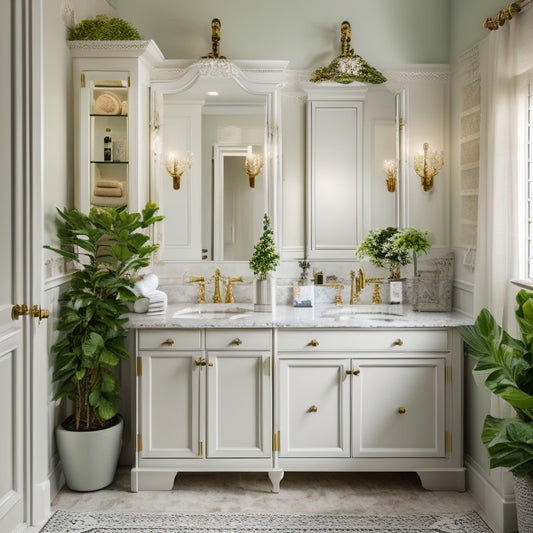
[108,146]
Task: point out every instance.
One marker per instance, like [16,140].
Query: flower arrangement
[392,248]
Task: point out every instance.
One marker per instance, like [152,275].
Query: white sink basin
[383,312]
[212,311]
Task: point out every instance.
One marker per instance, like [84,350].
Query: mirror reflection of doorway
[238,212]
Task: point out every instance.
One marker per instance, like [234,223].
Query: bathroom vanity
[352,388]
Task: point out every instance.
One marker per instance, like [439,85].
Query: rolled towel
[109,183]
[147,284]
[108,191]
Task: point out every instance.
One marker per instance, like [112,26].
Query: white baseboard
[41,502]
[499,510]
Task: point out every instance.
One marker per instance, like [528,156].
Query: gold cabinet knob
[211,364]
[353,372]
[402,410]
[314,343]
[313,409]
[237,341]
[398,342]
[169,342]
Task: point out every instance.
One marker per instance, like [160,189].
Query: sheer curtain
[497,249]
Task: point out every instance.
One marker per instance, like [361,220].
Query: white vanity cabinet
[371,400]
[204,403]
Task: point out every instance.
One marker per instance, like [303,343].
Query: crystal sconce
[176,167]
[253,165]
[391,170]
[427,166]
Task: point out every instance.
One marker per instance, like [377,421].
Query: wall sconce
[391,170]
[428,165]
[176,167]
[253,165]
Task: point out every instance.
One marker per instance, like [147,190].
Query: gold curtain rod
[505,14]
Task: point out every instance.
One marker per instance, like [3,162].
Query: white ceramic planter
[263,294]
[89,458]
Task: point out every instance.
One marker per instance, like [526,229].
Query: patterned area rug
[70,522]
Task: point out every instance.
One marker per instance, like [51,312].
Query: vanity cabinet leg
[450,479]
[152,479]
[275,477]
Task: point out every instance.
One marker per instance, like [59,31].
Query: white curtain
[497,251]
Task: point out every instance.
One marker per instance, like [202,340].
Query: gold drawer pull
[237,341]
[169,342]
[314,342]
[402,410]
[398,342]
[200,362]
[313,409]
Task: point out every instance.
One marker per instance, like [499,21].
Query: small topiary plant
[103,28]
[264,259]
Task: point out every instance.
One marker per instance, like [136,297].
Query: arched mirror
[219,119]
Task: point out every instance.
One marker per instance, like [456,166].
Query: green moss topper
[103,28]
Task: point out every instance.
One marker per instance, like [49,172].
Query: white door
[24,486]
[238,404]
[314,407]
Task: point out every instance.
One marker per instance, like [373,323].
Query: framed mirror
[213,114]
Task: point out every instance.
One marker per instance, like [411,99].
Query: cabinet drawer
[238,339]
[318,340]
[170,339]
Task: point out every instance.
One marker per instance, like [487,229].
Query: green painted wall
[305,32]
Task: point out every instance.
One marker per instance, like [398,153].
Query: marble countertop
[285,316]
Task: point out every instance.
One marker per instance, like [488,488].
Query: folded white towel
[157,312]
[147,285]
[141,305]
[157,297]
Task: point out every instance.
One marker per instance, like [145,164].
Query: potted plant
[508,365]
[107,249]
[263,261]
[415,241]
[103,28]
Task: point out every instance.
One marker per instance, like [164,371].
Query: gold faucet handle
[196,279]
[201,288]
[229,291]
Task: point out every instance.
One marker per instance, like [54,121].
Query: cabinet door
[398,407]
[238,404]
[314,408]
[170,399]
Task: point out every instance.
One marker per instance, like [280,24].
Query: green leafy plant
[264,258]
[107,249]
[304,265]
[392,248]
[509,365]
[416,241]
[103,28]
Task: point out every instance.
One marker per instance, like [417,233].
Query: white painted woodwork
[238,404]
[170,391]
[315,414]
[334,177]
[398,340]
[398,407]
[128,62]
[12,448]
[180,132]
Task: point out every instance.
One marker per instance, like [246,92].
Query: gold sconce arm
[215,41]
[391,170]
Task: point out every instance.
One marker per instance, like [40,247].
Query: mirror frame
[260,77]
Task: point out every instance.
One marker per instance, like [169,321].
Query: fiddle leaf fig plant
[108,247]
[509,365]
[264,258]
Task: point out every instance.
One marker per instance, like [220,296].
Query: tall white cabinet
[111,98]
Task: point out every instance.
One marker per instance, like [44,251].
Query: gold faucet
[229,291]
[216,295]
[376,294]
[201,288]
[357,284]
[339,287]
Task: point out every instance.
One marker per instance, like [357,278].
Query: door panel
[399,408]
[314,408]
[238,405]
[170,404]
